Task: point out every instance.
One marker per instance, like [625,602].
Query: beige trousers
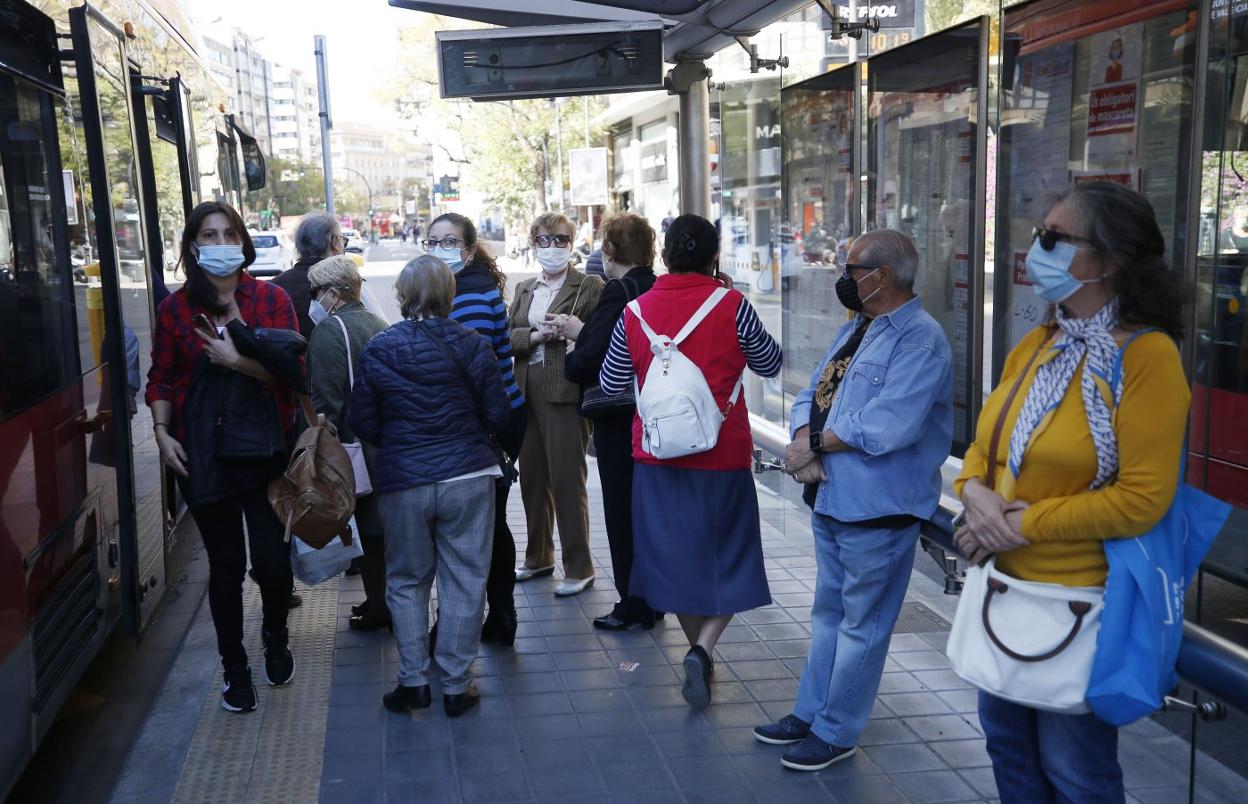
[552,482]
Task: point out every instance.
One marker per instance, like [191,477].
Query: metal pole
[586,107]
[852,46]
[559,149]
[695,134]
[322,91]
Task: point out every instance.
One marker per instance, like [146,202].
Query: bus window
[36,355]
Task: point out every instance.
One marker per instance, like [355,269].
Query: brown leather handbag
[315,496]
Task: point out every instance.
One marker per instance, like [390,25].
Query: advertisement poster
[1114,95]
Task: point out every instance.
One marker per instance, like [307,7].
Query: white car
[354,241]
[273,252]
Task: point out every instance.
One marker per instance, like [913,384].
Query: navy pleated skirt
[697,544]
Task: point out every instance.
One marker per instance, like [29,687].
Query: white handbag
[1027,642]
[355,450]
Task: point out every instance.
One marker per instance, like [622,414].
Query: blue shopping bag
[1142,622]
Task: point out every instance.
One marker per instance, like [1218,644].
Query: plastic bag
[313,566]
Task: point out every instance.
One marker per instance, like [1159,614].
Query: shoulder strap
[347,341]
[702,312]
[1116,374]
[715,298]
[994,443]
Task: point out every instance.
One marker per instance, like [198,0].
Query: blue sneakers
[813,754]
[790,729]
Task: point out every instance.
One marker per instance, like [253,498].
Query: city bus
[111,130]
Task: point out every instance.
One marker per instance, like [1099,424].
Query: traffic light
[371,212]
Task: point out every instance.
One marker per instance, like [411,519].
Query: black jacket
[294,281]
[235,439]
[585,361]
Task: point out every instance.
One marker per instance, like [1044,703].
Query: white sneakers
[573,586]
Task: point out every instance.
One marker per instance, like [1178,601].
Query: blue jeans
[1046,757]
[862,579]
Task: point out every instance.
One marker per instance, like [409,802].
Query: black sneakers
[238,694]
[698,669]
[788,730]
[279,663]
[813,754]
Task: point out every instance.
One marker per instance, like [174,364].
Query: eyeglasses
[546,241]
[317,290]
[1049,238]
[446,242]
[855,266]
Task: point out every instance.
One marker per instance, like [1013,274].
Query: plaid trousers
[443,529]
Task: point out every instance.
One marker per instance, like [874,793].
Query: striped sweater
[479,305]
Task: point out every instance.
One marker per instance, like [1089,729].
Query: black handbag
[594,401]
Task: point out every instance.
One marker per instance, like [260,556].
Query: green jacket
[331,387]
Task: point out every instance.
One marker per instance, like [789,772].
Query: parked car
[355,241]
[273,253]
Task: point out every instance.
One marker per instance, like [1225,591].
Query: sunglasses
[546,241]
[854,266]
[1049,238]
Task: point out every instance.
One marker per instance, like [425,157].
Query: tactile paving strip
[275,753]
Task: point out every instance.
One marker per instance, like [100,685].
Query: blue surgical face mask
[451,256]
[316,312]
[220,260]
[1050,271]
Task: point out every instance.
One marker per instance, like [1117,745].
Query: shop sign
[654,161]
[890,15]
[1221,9]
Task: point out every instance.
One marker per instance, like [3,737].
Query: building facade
[240,67]
[293,116]
[379,162]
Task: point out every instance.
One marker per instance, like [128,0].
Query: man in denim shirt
[881,402]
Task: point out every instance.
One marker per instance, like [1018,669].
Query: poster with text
[1038,114]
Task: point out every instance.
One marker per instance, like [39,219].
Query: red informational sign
[1111,109]
[1020,269]
[1133,178]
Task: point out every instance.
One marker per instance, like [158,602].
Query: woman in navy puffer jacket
[427,394]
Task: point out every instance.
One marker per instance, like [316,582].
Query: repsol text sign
[890,15]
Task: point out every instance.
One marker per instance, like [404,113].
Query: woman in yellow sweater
[1085,454]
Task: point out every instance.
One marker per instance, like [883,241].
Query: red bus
[111,129]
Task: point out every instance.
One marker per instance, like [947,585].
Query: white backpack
[678,412]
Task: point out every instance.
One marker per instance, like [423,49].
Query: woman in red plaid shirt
[189,341]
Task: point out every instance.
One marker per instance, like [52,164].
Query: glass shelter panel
[748,176]
[819,120]
[925,151]
[1090,90]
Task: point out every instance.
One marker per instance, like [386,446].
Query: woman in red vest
[699,550]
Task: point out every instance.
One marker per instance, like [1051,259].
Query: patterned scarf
[1090,337]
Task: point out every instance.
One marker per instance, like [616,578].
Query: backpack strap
[697,318]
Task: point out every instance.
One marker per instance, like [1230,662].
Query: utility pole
[589,211]
[559,151]
[852,45]
[322,87]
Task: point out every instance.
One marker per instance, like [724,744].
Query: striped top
[762,353]
[479,305]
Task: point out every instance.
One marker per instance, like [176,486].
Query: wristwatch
[816,442]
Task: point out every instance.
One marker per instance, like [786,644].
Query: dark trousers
[221,527]
[613,445]
[373,574]
[501,583]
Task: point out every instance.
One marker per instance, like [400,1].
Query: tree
[507,150]
[294,187]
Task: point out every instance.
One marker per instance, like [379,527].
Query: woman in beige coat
[552,460]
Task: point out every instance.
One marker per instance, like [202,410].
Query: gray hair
[894,249]
[315,235]
[425,288]
[337,272]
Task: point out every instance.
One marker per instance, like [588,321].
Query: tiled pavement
[575,715]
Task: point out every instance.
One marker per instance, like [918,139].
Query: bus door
[120,166]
